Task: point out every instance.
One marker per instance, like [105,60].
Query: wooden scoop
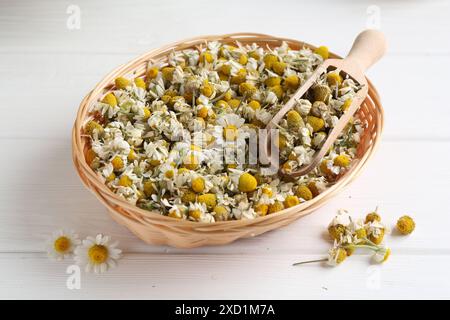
[368,47]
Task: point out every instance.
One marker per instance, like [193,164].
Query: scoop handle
[368,47]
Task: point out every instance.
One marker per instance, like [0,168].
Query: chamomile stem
[310,261]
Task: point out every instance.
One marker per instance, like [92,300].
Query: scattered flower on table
[350,234]
[62,244]
[97,254]
[406,225]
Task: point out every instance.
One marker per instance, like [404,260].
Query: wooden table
[47,67]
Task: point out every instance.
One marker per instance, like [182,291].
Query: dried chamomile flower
[349,235]
[247,182]
[321,93]
[405,225]
[304,192]
[122,83]
[110,99]
[291,201]
[322,51]
[381,254]
[336,256]
[342,161]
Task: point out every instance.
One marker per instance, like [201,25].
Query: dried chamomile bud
[336,256]
[247,182]
[372,217]
[406,225]
[322,51]
[122,83]
[321,93]
[294,119]
[304,193]
[93,126]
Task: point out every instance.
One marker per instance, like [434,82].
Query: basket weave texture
[154,228]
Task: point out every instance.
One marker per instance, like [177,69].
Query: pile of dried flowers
[349,234]
[96,254]
[168,142]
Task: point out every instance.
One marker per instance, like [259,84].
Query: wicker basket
[155,228]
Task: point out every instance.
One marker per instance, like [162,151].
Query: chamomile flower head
[97,254]
[62,244]
[336,256]
[381,254]
[405,225]
[376,232]
[350,234]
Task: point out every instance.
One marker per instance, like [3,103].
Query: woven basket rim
[79,158]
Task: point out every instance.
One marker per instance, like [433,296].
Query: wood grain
[161,276]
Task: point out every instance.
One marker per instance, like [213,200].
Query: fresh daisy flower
[97,254]
[61,244]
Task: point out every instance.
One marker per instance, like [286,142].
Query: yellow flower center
[198,184]
[386,255]
[122,82]
[267,191]
[230,132]
[261,209]
[243,59]
[175,214]
[90,156]
[272,81]
[304,192]
[98,254]
[279,67]
[346,105]
[291,201]
[342,161]
[125,181]
[188,197]
[334,79]
[247,182]
[207,89]
[406,225]
[234,103]
[322,51]
[111,177]
[195,148]
[220,210]
[62,244]
[132,155]
[117,163]
[316,123]
[110,99]
[275,207]
[196,214]
[209,199]
[255,105]
[341,255]
[139,82]
[169,174]
[292,82]
[147,113]
[152,73]
[148,188]
[202,112]
[294,119]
